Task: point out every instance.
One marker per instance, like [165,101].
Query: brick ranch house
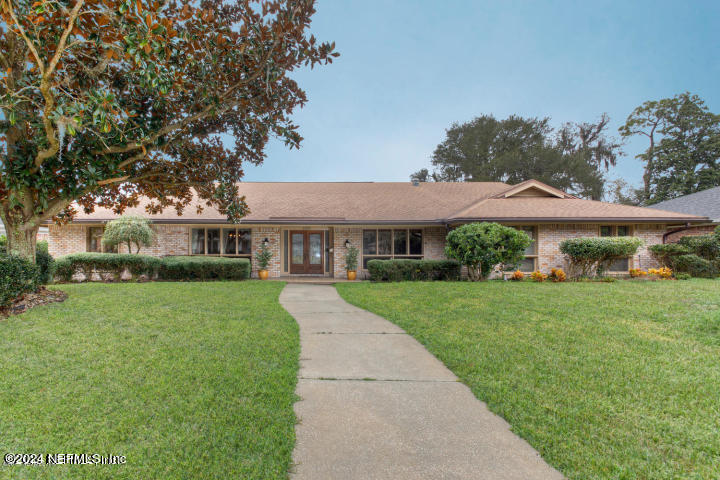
[308,226]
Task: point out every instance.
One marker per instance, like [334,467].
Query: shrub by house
[589,257]
[482,246]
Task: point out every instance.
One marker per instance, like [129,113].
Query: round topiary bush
[129,230]
[482,246]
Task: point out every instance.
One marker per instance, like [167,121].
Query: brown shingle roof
[564,209]
[397,202]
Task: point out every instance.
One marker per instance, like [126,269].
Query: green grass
[606,380]
[187,380]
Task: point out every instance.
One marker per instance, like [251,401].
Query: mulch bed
[29,300]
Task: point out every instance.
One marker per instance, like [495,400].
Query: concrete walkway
[374,404]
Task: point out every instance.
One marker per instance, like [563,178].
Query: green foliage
[263,256]
[113,264]
[45,262]
[683,149]
[351,258]
[17,276]
[184,367]
[515,149]
[128,230]
[683,276]
[204,268]
[695,266]
[407,270]
[705,246]
[3,244]
[608,381]
[592,256]
[482,246]
[665,254]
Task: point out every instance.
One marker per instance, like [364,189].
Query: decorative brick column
[273,235]
[341,234]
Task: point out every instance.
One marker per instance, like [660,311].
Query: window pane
[384,242]
[285,250]
[213,241]
[297,254]
[400,242]
[620,265]
[369,242]
[367,259]
[244,242]
[623,231]
[229,241]
[327,250]
[197,243]
[606,231]
[416,242]
[315,247]
[531,249]
[94,243]
[527,265]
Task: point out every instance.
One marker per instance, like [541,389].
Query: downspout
[682,229]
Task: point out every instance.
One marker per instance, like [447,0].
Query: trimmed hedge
[204,268]
[705,246]
[105,263]
[45,262]
[408,270]
[665,254]
[592,256]
[17,276]
[696,266]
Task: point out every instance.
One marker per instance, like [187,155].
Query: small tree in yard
[129,230]
[482,246]
[104,102]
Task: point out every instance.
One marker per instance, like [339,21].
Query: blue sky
[408,69]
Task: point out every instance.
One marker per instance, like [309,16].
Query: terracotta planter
[263,274]
[352,274]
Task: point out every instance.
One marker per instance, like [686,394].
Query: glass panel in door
[297,248]
[315,247]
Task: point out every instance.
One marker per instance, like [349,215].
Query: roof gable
[534,188]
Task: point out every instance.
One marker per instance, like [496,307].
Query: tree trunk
[22,240]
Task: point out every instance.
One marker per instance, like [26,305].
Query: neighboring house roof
[705,204]
[404,203]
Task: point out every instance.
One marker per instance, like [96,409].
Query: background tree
[620,191]
[129,230]
[515,149]
[683,146]
[106,101]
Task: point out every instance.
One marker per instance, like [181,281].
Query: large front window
[220,241]
[384,244]
[621,264]
[94,241]
[529,263]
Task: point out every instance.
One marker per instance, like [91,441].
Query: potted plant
[351,262]
[263,257]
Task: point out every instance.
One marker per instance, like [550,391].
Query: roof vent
[416,182]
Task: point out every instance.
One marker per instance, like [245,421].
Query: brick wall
[340,235]
[434,243]
[693,231]
[173,240]
[66,239]
[551,235]
[259,234]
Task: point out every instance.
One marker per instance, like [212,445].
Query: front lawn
[187,380]
[618,380]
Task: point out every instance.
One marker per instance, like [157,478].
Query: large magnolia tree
[105,101]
